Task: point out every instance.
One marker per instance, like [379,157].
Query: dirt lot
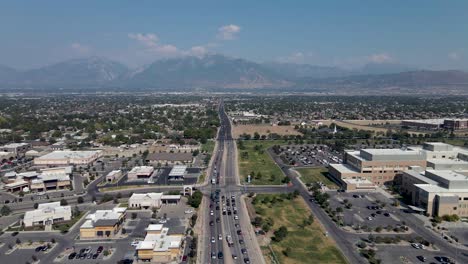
[263,130]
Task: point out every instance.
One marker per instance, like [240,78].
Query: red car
[184,258]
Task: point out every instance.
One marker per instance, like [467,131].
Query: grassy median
[253,159]
[311,175]
[305,241]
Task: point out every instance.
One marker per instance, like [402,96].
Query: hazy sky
[429,34]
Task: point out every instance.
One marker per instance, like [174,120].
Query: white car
[213,240]
[236,217]
[211,212]
[369,218]
[188,211]
[135,243]
[162,221]
[220,237]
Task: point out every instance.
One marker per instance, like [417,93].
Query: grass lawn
[310,175]
[304,244]
[123,187]
[201,178]
[65,226]
[253,157]
[208,147]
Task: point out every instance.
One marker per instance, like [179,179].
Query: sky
[349,33]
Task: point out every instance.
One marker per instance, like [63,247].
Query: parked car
[72,255]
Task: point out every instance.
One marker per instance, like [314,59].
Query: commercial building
[456,124]
[151,200]
[103,223]
[169,158]
[67,157]
[160,245]
[140,173]
[177,172]
[19,149]
[47,214]
[31,181]
[7,156]
[113,175]
[429,124]
[368,167]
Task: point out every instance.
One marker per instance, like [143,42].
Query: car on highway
[213,255]
[211,212]
[220,237]
[239,232]
[220,255]
[244,251]
[246,260]
[211,223]
[234,256]
[236,217]
[218,220]
[241,241]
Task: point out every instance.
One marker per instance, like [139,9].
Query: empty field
[304,243]
[254,159]
[310,175]
[263,130]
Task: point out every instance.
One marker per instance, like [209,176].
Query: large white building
[150,200]
[47,214]
[68,157]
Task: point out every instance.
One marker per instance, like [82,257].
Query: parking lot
[365,210]
[309,155]
[408,254]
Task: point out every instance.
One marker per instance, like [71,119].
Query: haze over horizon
[428,35]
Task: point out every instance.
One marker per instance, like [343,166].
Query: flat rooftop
[344,168]
[68,154]
[142,170]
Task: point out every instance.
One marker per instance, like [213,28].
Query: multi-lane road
[227,237]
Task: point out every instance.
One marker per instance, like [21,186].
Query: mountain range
[226,73]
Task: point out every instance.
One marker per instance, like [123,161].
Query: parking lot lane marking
[339,199]
[369,198]
[394,217]
[358,217]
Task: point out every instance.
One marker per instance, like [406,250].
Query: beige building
[437,192]
[160,245]
[103,223]
[368,167]
[46,180]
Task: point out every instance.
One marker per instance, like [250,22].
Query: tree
[195,199]
[258,221]
[63,202]
[280,234]
[5,210]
